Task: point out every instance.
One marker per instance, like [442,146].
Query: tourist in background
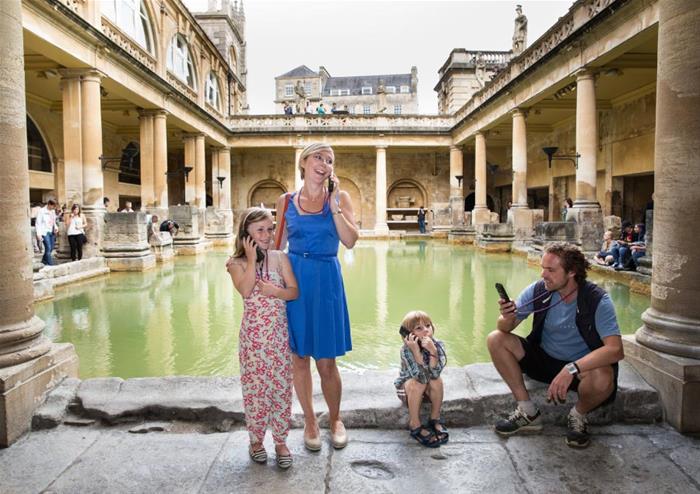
[127,207]
[604,256]
[320,109]
[421,219]
[574,344]
[265,280]
[315,221]
[422,360]
[105,203]
[45,227]
[76,232]
[568,204]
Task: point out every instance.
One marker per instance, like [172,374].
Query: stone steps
[474,395]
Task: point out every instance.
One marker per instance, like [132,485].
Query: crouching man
[575,344]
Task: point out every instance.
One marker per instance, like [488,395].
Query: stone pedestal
[481,216]
[462,234]
[677,380]
[494,237]
[219,226]
[549,232]
[162,246]
[457,211]
[523,223]
[589,218]
[125,245]
[94,231]
[22,388]
[189,240]
[644,264]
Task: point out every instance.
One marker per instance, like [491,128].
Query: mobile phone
[331,185]
[404,332]
[502,292]
[259,253]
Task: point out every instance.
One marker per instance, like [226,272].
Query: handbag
[83,239]
[280,227]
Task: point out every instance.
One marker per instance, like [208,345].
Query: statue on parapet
[301,96]
[520,31]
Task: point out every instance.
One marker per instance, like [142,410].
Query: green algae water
[183,319]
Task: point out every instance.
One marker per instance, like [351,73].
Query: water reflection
[184,318]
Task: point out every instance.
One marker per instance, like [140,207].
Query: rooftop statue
[520,31]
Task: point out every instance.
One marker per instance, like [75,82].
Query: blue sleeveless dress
[319,325]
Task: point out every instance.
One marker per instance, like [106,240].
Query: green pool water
[183,319]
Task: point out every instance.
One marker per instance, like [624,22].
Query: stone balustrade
[372,123]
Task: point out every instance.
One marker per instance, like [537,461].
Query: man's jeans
[48,240]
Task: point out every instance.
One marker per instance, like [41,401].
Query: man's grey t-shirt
[561,338]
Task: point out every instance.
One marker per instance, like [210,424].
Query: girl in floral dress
[265,280]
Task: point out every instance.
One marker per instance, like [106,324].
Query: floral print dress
[265,362]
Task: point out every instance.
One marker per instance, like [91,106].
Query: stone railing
[75,5]
[127,44]
[581,13]
[182,87]
[371,123]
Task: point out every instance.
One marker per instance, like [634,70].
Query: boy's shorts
[540,366]
[401,395]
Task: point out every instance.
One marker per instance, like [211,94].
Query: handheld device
[259,253]
[502,292]
[404,332]
[331,185]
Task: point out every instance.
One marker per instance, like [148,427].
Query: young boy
[422,361]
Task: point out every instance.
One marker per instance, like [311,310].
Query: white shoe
[313,443]
[339,438]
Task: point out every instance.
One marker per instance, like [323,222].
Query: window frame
[212,84]
[288,89]
[185,62]
[366,90]
[116,12]
[404,90]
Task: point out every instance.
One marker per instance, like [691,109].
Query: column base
[677,379]
[94,232]
[674,335]
[381,230]
[494,237]
[457,208]
[481,216]
[23,387]
[589,218]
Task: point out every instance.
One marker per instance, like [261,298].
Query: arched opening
[131,16]
[470,200]
[407,193]
[130,164]
[265,193]
[356,197]
[180,61]
[38,158]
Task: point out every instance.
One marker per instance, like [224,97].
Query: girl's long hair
[251,215]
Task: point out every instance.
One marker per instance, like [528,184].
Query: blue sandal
[429,440]
[442,435]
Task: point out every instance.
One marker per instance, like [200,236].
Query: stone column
[146,146]
[93,178]
[200,168]
[225,171]
[297,172]
[586,211]
[667,347]
[380,224]
[481,213]
[72,136]
[29,363]
[456,195]
[519,215]
[160,162]
[519,159]
[189,140]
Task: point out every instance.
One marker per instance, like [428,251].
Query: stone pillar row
[456,195]
[380,225]
[154,161]
[481,213]
[29,363]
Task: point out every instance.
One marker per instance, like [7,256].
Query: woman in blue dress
[316,220]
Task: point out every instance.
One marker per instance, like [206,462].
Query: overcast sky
[377,37]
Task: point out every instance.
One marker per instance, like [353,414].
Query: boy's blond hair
[414,317]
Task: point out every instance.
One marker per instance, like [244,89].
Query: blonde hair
[414,317]
[251,215]
[311,149]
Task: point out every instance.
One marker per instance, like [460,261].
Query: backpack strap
[281,225]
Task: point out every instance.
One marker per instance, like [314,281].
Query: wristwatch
[572,368]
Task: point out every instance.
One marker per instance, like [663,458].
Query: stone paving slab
[120,462]
[621,458]
[32,463]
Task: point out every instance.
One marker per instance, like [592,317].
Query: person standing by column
[421,220]
[76,232]
[46,229]
[317,217]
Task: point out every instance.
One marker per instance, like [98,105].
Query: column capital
[583,74]
[75,73]
[381,146]
[151,112]
[519,112]
[456,147]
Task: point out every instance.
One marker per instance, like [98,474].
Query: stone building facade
[392,94]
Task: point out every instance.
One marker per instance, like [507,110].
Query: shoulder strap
[280,223]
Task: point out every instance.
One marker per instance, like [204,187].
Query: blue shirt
[561,338]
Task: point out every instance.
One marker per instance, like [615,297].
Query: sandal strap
[284,461]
